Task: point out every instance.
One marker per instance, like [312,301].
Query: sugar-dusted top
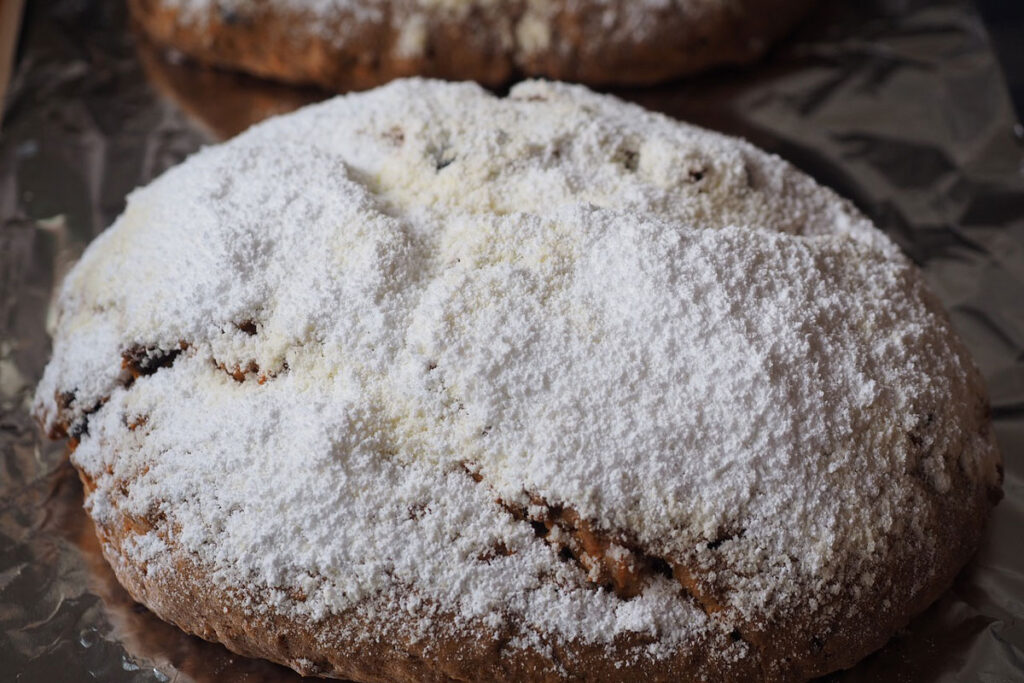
[440,306]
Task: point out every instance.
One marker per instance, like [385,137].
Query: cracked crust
[788,650]
[617,44]
[192,600]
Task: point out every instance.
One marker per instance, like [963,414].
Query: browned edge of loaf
[282,45]
[793,646]
[223,104]
[189,598]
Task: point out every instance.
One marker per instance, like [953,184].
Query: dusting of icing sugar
[680,337]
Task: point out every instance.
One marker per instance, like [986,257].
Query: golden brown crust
[577,46]
[792,649]
[190,598]
[786,647]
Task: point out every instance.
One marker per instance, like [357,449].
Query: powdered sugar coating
[681,338]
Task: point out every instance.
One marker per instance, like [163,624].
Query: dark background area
[1004,20]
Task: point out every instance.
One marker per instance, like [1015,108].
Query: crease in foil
[899,105]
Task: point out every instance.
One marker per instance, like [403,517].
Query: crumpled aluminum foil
[897,104]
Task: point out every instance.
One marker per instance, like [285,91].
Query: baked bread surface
[356,44]
[427,384]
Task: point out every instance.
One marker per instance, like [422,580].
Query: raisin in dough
[353,44]
[426,384]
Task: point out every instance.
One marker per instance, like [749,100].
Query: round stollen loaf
[355,44]
[427,384]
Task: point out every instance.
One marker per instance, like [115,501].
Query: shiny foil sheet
[899,105]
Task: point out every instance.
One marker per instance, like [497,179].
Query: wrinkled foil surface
[897,104]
